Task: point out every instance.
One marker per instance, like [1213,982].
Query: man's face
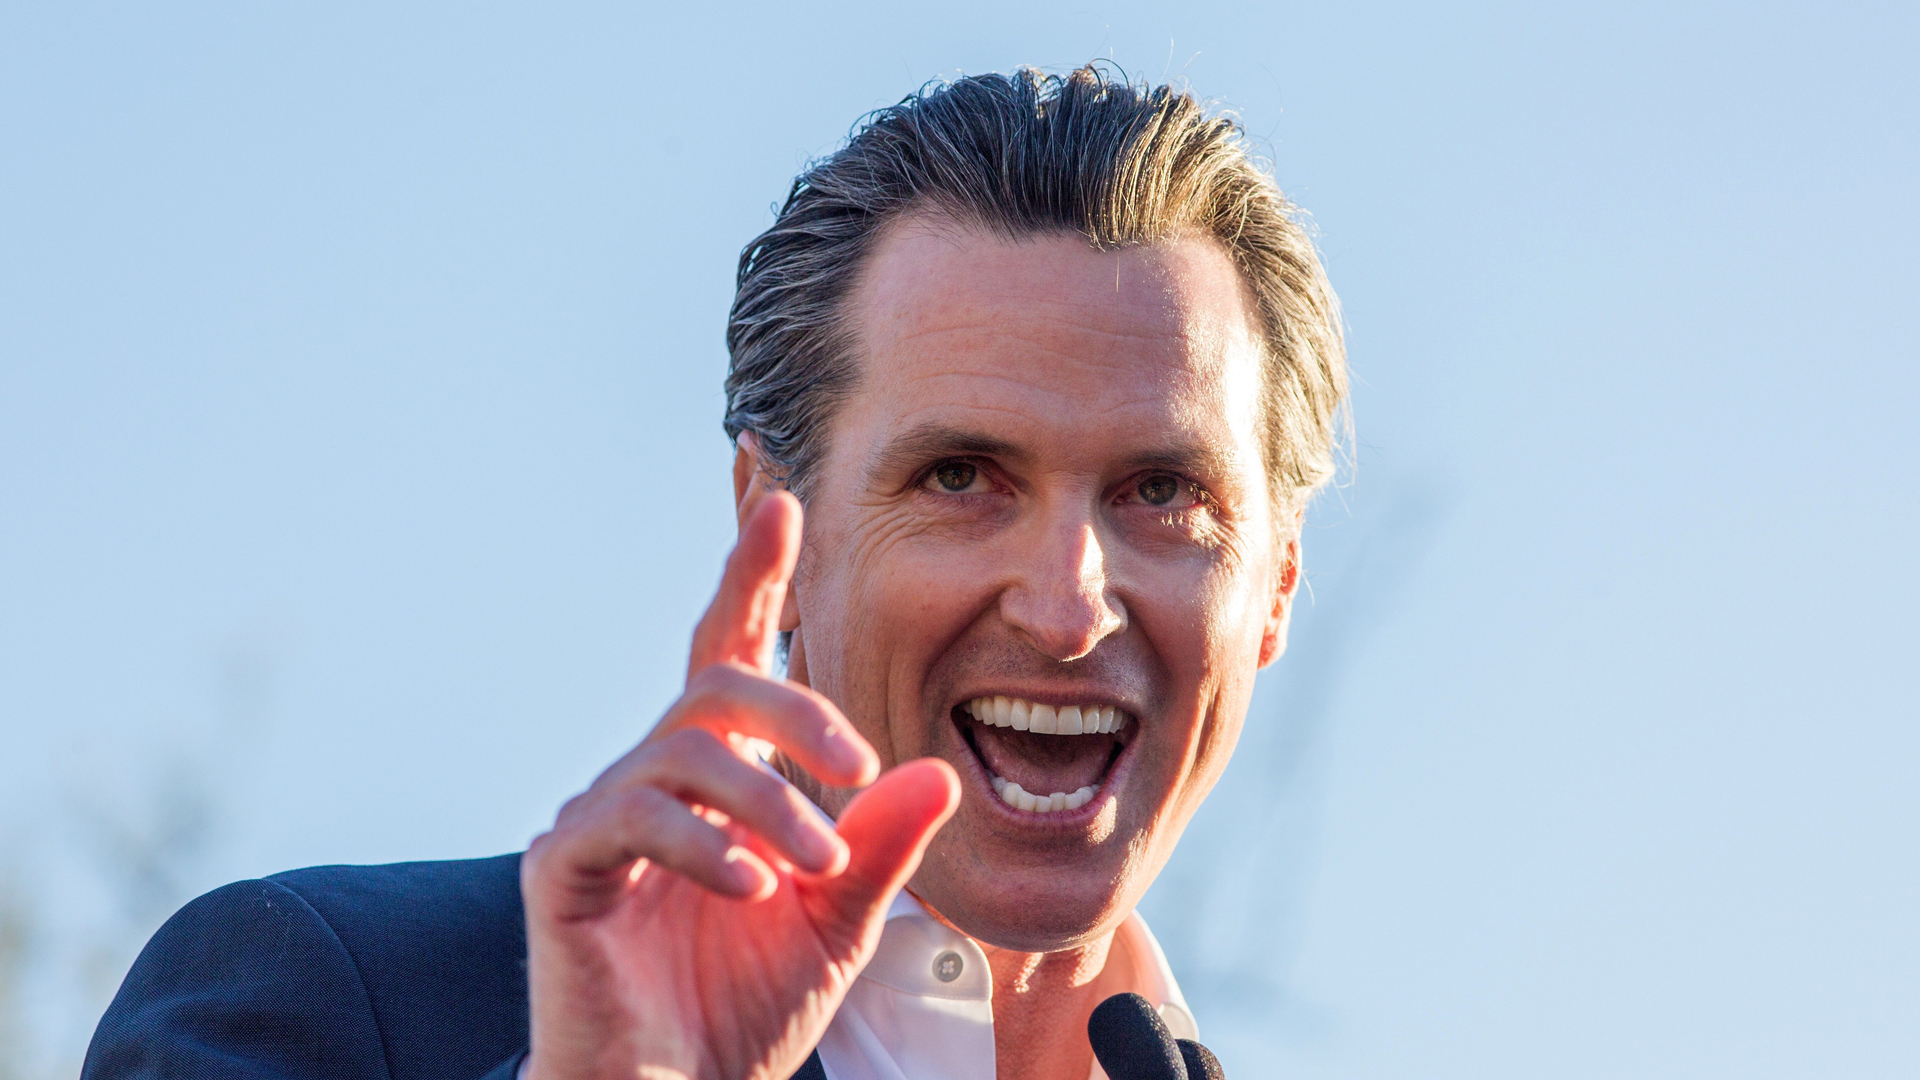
[1047,487]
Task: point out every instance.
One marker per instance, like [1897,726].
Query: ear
[1286,582]
[751,483]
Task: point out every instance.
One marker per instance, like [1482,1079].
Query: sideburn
[796,664]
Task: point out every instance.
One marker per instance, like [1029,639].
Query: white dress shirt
[923,1008]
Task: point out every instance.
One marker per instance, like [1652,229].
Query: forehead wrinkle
[1030,327]
[1193,350]
[1131,394]
[1159,347]
[1173,301]
[1166,378]
[966,418]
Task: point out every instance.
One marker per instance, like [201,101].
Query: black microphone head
[1201,1064]
[1132,1042]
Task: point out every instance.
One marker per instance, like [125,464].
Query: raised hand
[691,914]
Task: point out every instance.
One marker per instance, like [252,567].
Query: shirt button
[946,966]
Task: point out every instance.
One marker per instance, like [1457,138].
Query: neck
[1041,1002]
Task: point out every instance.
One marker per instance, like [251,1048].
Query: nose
[1059,599]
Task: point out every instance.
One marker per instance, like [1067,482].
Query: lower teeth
[1020,799]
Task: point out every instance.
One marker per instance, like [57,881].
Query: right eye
[954,477]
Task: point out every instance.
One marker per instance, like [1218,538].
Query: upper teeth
[1045,719]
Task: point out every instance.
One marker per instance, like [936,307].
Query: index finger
[734,702]
[743,622]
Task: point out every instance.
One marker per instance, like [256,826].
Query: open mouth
[1045,759]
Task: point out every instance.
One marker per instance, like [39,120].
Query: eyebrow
[1191,458]
[913,449]
[918,446]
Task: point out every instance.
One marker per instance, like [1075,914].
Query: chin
[1045,851]
[1012,901]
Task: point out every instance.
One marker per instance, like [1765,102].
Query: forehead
[957,326]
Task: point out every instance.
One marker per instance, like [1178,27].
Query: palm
[749,985]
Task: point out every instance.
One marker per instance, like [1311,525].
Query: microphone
[1201,1064]
[1133,1043]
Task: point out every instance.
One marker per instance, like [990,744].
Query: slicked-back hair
[1020,156]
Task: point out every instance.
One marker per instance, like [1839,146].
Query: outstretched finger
[698,768]
[580,867]
[730,700]
[743,622]
[887,828]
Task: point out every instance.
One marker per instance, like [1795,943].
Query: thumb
[887,828]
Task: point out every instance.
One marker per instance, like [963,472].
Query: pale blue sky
[360,464]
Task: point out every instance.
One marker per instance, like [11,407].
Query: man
[1052,372]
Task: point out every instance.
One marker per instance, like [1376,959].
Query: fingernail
[844,753]
[817,848]
[744,872]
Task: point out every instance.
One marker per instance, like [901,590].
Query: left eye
[1161,490]
[955,476]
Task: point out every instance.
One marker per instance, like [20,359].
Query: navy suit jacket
[414,971]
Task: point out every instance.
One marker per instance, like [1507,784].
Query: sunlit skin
[1047,483]
[1111,539]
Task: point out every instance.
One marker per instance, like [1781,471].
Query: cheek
[879,600]
[1206,623]
[1208,633]
[895,578]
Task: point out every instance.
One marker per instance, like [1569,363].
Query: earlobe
[1273,641]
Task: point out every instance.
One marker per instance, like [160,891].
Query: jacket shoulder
[399,972]
[474,900]
[245,981]
[442,949]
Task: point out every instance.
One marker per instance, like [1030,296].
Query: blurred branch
[16,936]
[143,846]
[147,857]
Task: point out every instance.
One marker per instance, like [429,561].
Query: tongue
[1044,764]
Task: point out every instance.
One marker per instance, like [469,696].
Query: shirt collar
[923,956]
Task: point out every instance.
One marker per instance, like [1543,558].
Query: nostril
[1064,625]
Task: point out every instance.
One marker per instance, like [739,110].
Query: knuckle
[725,692]
[647,805]
[703,697]
[734,677]
[642,822]
[570,811]
[698,682]
[693,708]
[686,750]
[767,797]
[712,679]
